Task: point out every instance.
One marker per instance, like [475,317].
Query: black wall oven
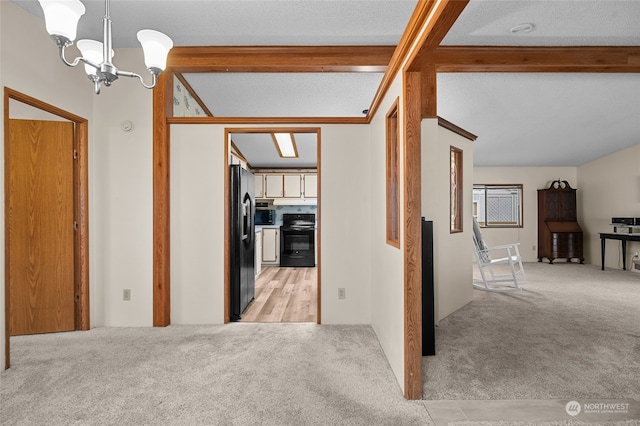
[297,240]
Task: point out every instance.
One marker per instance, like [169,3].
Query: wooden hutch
[559,234]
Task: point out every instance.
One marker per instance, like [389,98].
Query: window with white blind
[498,205]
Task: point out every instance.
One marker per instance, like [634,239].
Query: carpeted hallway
[236,374]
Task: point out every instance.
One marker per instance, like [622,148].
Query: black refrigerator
[242,240]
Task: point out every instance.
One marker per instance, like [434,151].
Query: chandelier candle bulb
[155,46]
[92,51]
[61,18]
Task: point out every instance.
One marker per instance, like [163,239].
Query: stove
[297,240]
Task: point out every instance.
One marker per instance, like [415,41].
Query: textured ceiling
[286,95]
[520,119]
[262,154]
[536,119]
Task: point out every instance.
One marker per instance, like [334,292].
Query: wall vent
[635,265]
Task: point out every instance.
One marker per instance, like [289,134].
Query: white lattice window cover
[501,209]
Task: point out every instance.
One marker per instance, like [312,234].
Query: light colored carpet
[560,423]
[573,333]
[236,374]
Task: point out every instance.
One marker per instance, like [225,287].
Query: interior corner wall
[453,254]
[608,187]
[121,200]
[387,262]
[531,179]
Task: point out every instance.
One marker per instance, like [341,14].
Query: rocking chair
[509,255]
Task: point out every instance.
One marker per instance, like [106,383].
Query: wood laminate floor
[284,295]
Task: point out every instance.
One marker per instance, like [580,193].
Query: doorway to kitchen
[286,218]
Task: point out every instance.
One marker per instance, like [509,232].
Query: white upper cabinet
[259,188]
[274,186]
[310,185]
[292,186]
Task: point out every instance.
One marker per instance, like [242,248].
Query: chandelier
[61,18]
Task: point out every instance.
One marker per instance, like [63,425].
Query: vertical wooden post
[429,93]
[162,96]
[412,238]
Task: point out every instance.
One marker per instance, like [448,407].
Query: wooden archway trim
[232,59]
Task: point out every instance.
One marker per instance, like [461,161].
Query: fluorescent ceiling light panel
[286,145]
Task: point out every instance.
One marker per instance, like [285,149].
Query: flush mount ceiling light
[61,18]
[522,28]
[286,145]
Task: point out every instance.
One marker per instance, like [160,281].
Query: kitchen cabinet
[274,186]
[310,185]
[259,186]
[258,252]
[270,246]
[292,186]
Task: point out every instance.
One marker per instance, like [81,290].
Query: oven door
[297,247]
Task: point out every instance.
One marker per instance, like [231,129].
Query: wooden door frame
[227,218]
[81,211]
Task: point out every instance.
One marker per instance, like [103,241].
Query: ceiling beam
[598,59]
[440,19]
[280,59]
[445,15]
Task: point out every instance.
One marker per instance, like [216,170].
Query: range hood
[292,201]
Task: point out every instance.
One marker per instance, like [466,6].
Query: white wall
[532,179]
[345,200]
[121,200]
[387,262]
[608,187]
[452,252]
[197,224]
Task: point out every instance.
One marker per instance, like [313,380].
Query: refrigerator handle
[247,218]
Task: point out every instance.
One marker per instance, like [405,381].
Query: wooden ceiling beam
[600,59]
[440,17]
[280,59]
[444,16]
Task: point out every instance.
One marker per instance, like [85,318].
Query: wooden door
[40,226]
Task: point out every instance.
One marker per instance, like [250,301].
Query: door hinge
[75,154]
[75,225]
